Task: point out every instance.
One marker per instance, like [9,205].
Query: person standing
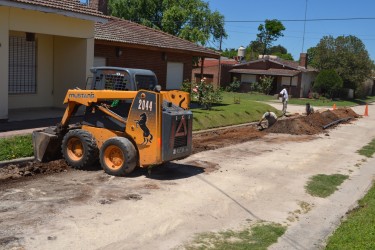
[284,99]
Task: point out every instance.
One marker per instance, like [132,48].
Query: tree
[328,83]
[347,55]
[269,32]
[188,19]
[230,53]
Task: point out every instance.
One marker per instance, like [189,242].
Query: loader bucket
[47,145]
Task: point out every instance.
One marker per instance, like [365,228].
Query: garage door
[175,74]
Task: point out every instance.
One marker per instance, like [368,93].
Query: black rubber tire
[89,151]
[125,152]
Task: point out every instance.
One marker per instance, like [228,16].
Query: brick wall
[145,59]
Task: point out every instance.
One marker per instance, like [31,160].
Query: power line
[305,20]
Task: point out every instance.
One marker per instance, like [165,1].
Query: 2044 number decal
[145,105]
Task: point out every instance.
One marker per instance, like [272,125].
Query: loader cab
[115,78]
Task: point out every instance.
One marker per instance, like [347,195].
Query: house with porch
[46,47]
[49,46]
[296,77]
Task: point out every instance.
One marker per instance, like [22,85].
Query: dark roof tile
[127,32]
[68,5]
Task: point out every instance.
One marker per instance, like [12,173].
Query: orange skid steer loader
[120,129]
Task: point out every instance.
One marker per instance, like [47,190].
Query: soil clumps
[311,124]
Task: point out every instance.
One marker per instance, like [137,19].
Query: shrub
[328,83]
[207,94]
[186,86]
[265,84]
[233,86]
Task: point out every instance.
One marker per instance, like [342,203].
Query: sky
[295,40]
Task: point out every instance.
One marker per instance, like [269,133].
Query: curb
[15,161]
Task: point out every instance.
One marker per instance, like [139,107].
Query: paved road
[221,189]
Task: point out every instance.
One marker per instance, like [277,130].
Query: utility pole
[304,28]
[219,71]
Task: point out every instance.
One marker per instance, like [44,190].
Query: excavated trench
[296,125]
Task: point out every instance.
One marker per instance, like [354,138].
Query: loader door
[144,126]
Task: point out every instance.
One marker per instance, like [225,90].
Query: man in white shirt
[271,118]
[284,99]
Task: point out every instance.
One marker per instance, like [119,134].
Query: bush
[328,83]
[265,84]
[233,86]
[207,94]
[186,86]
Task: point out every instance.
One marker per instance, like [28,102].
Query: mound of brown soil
[312,124]
[14,171]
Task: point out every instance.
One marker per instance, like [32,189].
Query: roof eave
[132,45]
[45,9]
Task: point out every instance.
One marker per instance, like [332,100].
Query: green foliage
[346,54]
[188,19]
[233,86]
[357,231]
[269,32]
[15,147]
[186,86]
[259,236]
[322,185]
[265,84]
[230,53]
[328,82]
[368,150]
[286,56]
[208,95]
[229,113]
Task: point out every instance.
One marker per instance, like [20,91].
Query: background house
[46,47]
[211,71]
[123,43]
[296,77]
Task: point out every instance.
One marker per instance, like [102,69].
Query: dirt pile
[15,171]
[312,124]
[224,137]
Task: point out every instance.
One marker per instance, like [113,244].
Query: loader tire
[79,149]
[118,156]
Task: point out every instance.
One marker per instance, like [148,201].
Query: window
[145,82]
[22,65]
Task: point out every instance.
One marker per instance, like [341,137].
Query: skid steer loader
[121,129]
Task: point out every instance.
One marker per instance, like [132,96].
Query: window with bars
[22,65]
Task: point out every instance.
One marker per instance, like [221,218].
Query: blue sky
[249,10]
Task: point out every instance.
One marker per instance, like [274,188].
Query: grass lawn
[358,230]
[326,102]
[322,185]
[258,237]
[236,108]
[368,150]
[15,147]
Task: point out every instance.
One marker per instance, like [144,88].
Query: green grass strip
[358,230]
[322,185]
[368,150]
[16,147]
[258,237]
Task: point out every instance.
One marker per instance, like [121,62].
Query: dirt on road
[208,140]
[34,193]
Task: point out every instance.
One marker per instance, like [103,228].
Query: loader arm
[77,97]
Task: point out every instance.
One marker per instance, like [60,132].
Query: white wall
[70,68]
[4,57]
[307,79]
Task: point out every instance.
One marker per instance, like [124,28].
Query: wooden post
[202,65]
